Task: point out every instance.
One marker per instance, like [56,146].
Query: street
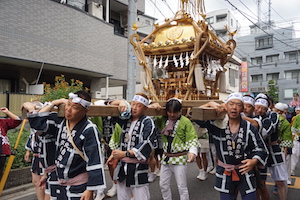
[197,189]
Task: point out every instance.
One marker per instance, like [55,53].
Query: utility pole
[258,14]
[107,11]
[131,61]
[269,16]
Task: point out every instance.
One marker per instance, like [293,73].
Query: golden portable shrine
[182,57]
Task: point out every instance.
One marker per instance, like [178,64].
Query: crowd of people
[70,153]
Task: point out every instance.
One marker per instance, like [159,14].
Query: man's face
[278,111]
[137,109]
[297,112]
[173,115]
[248,109]
[74,111]
[260,110]
[234,108]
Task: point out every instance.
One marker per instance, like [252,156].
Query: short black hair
[173,105]
[248,95]
[84,95]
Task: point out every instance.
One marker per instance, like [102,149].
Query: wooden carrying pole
[197,113]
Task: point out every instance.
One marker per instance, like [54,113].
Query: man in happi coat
[275,163]
[296,142]
[239,149]
[132,146]
[79,164]
[285,137]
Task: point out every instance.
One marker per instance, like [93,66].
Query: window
[264,42]
[231,22]
[221,33]
[221,18]
[292,74]
[256,60]
[257,78]
[273,76]
[5,85]
[147,22]
[233,75]
[77,3]
[292,55]
[210,20]
[288,93]
[272,58]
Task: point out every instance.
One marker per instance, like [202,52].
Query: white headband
[249,100]
[262,102]
[141,99]
[297,108]
[99,103]
[261,95]
[235,95]
[180,101]
[76,99]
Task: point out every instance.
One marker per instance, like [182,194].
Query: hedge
[19,161]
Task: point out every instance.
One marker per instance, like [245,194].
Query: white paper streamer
[166,62]
[175,61]
[187,59]
[160,62]
[181,61]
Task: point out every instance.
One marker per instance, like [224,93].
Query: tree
[61,89]
[273,90]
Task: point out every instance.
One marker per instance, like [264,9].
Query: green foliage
[273,90]
[61,88]
[12,134]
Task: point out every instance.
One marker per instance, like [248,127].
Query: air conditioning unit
[97,94]
[96,9]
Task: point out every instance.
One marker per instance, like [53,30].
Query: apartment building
[218,20]
[81,39]
[272,54]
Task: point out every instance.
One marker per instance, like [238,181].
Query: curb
[17,189]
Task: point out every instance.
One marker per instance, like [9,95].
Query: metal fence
[14,102]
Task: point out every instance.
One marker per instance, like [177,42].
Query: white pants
[139,192]
[279,172]
[179,171]
[295,155]
[288,164]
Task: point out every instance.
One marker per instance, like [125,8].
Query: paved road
[199,190]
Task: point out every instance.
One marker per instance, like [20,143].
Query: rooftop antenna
[269,16]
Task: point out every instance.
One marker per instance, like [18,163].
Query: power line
[258,26]
[269,25]
[157,8]
[277,12]
[168,6]
[247,8]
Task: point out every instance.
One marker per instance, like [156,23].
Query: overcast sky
[283,12]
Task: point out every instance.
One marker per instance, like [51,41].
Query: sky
[283,12]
